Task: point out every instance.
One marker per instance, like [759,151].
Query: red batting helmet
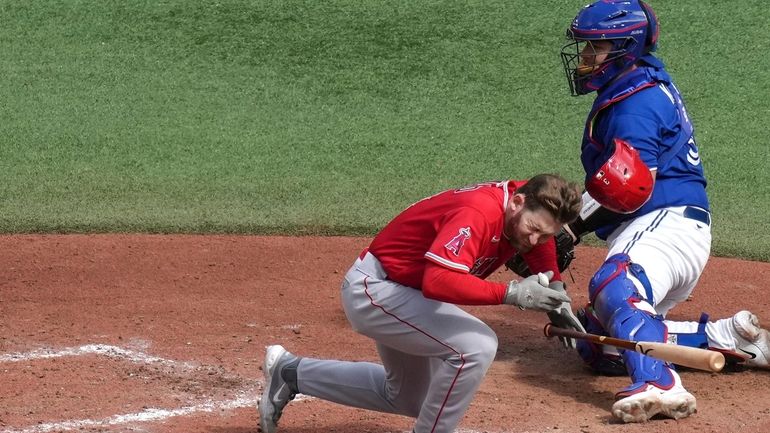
[624,183]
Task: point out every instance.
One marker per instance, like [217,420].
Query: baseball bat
[692,357]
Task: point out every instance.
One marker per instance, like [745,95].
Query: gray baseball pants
[434,354]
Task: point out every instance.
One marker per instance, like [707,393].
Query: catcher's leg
[604,359]
[625,313]
[600,358]
[740,338]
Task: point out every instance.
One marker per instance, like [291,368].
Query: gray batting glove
[533,293]
[563,317]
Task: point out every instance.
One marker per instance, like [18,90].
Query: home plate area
[167,334]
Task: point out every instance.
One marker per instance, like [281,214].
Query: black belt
[697,214]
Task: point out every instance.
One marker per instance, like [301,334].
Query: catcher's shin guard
[625,314]
[601,359]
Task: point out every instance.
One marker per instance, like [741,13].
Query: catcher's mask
[632,28]
[623,183]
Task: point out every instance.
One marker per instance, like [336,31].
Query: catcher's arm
[592,216]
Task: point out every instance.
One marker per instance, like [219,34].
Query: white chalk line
[246,397]
[94,349]
[147,415]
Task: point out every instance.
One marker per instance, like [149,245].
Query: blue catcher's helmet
[630,25]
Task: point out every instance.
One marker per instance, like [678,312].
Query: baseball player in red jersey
[402,292]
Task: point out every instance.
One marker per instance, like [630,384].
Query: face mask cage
[585,79]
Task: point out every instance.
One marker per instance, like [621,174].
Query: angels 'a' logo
[457,242]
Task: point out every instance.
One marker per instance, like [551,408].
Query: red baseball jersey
[460,229]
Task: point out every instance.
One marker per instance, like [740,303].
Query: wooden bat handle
[692,357]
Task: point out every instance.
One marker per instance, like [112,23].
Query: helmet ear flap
[651,40]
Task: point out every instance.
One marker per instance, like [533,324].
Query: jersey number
[693,157]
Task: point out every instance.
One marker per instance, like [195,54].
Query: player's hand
[533,293]
[563,317]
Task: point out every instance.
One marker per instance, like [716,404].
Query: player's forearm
[592,216]
[445,285]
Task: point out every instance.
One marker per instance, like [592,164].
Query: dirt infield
[158,333]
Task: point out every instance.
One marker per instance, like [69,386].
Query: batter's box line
[245,399]
[96,349]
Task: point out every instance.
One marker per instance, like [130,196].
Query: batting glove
[563,317]
[533,293]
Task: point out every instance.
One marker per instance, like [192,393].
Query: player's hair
[551,192]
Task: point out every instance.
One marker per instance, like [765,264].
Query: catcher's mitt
[565,252]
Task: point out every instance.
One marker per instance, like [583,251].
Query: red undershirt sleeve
[446,285]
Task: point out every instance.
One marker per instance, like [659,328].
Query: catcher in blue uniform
[646,196]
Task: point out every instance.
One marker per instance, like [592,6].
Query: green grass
[304,117]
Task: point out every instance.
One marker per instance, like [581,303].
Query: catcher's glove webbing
[565,252]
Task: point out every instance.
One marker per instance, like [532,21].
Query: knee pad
[624,313]
[618,269]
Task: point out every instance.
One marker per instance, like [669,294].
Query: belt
[697,214]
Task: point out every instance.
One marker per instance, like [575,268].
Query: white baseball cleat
[751,341]
[277,393]
[674,403]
